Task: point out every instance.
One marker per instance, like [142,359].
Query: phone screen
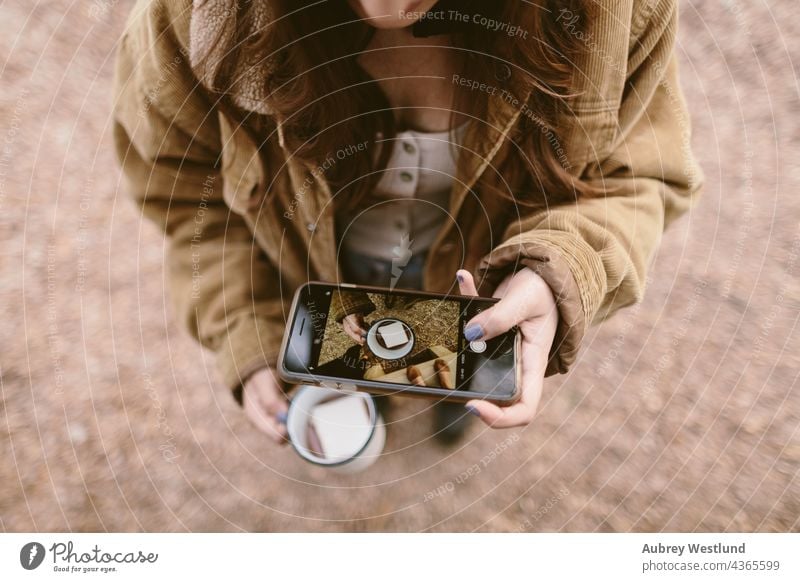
[398,337]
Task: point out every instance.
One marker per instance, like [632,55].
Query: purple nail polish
[281,417]
[460,277]
[473,332]
[473,410]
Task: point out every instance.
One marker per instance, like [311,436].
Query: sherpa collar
[211,36]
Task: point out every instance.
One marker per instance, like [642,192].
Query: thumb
[494,321]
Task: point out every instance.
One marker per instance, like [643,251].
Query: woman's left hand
[527,302]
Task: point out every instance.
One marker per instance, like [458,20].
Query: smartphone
[385,341]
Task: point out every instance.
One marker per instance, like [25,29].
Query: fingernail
[472,410]
[281,417]
[473,332]
[460,277]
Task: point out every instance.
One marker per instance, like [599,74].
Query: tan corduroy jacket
[236,255]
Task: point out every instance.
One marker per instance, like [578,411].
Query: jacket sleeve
[344,303]
[166,134]
[594,253]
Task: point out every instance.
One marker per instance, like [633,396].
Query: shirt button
[311,227]
[408,148]
[406,176]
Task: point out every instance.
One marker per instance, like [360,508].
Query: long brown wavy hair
[326,101]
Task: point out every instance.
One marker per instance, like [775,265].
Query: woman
[534,151]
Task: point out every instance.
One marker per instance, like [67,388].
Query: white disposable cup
[298,417]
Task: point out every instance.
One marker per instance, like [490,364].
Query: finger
[269,398]
[359,328]
[466,285]
[494,321]
[533,361]
[349,332]
[494,416]
[277,407]
[356,334]
[516,305]
[356,322]
[519,414]
[466,282]
[262,419]
[269,426]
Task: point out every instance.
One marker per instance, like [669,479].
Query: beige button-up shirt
[413,197]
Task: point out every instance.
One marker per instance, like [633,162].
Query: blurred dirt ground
[682,414]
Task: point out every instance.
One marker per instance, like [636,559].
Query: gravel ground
[682,413]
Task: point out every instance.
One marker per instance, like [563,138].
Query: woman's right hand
[265,404]
[355,327]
